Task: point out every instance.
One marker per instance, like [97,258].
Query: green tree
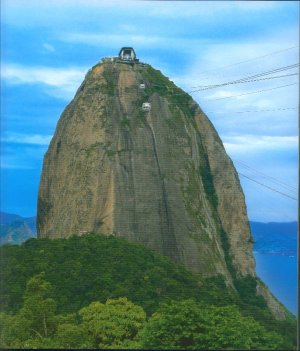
[188,325]
[36,318]
[5,330]
[115,324]
[37,343]
[39,308]
[227,328]
[73,336]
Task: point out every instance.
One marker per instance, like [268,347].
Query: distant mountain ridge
[15,229]
[275,238]
[6,218]
[272,237]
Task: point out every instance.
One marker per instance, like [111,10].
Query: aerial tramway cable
[208,87]
[268,187]
[251,92]
[272,179]
[258,75]
[249,60]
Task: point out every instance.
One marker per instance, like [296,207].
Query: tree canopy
[96,268]
[115,324]
[101,292]
[190,325]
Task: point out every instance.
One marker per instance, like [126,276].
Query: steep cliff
[160,177]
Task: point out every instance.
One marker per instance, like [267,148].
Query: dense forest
[103,292]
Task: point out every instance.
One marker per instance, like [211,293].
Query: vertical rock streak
[167,231]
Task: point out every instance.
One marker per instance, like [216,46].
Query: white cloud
[127,27]
[205,10]
[256,5]
[62,82]
[48,47]
[119,40]
[228,60]
[28,156]
[55,77]
[219,62]
[22,13]
[242,144]
[34,139]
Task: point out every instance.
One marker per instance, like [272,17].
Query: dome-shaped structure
[127,54]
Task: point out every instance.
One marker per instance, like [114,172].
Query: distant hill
[276,238]
[6,218]
[15,229]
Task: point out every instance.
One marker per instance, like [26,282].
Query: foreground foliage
[120,324]
[115,324]
[188,325]
[103,292]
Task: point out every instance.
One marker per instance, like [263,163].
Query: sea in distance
[279,273]
[275,252]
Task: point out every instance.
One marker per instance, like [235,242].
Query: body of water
[279,273]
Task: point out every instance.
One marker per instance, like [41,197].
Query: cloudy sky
[48,47]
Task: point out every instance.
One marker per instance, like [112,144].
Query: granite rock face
[161,178]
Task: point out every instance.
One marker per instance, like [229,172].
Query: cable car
[146,106]
[142,85]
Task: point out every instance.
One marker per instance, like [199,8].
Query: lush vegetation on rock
[103,292]
[95,268]
[158,83]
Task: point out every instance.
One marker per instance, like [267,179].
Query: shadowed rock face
[161,178]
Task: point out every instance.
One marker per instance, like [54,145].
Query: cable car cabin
[142,85]
[146,106]
[127,55]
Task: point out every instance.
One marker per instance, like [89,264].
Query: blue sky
[47,48]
